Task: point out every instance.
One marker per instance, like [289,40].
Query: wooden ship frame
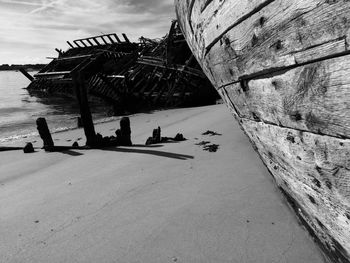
[129,76]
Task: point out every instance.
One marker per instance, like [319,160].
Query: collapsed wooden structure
[130,76]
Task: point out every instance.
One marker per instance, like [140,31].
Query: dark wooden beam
[117,38]
[70,44]
[104,40]
[111,39]
[126,38]
[76,43]
[85,45]
[89,41]
[44,132]
[95,40]
[81,93]
[78,46]
[25,73]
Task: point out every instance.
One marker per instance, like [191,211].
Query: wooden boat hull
[283,69]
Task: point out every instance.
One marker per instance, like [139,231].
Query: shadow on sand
[145,149]
[72,153]
[131,149]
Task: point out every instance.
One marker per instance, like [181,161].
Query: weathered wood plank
[326,49]
[314,97]
[205,4]
[73,58]
[283,34]
[281,67]
[315,171]
[214,18]
[52,73]
[86,117]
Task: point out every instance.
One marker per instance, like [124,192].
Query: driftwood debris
[157,137]
[124,133]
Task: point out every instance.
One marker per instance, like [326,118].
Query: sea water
[19,109]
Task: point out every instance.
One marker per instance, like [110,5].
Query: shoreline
[14,139]
[34,136]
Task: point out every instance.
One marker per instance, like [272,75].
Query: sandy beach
[172,202]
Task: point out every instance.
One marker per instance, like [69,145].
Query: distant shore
[28,67]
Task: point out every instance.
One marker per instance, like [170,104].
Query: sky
[30,30]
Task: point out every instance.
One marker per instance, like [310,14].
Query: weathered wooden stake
[157,137]
[44,132]
[81,93]
[124,133]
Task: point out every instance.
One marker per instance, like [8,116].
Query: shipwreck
[130,76]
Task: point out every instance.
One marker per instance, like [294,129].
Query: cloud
[47,5]
[37,27]
[13,2]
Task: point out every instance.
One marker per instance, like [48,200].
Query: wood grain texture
[283,34]
[212,19]
[315,170]
[314,98]
[185,10]
[283,69]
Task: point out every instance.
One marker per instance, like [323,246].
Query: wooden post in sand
[44,132]
[81,93]
[125,132]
